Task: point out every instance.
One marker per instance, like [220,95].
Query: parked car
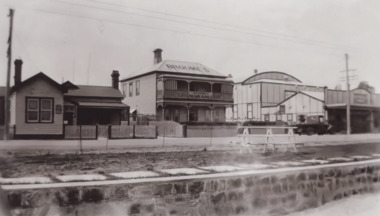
[313,124]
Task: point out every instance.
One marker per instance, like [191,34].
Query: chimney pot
[115,79]
[157,55]
[18,70]
[255,71]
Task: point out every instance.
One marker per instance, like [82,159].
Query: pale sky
[84,40]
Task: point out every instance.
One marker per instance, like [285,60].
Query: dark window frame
[137,87]
[131,89]
[39,121]
[250,112]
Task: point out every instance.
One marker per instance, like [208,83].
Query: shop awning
[353,107]
[99,105]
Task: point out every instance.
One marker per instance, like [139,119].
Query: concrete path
[161,143]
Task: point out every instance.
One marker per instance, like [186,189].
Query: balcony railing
[165,94]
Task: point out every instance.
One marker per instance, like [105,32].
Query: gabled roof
[314,95]
[69,85]
[179,68]
[94,91]
[40,75]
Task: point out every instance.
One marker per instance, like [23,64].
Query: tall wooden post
[7,90]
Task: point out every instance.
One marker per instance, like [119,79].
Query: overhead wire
[165,29]
[290,38]
[212,22]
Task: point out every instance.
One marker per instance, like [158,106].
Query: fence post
[80,139]
[96,131]
[64,131]
[134,131]
[211,136]
[109,131]
[163,138]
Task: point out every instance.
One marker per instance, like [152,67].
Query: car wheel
[309,131]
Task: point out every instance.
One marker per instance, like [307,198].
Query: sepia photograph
[202,107]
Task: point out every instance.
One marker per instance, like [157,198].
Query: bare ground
[16,164]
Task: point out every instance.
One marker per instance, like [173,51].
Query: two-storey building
[179,91]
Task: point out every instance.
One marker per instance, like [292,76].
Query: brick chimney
[115,79]
[18,69]
[157,55]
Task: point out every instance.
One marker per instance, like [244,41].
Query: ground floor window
[249,111]
[266,117]
[39,110]
[235,111]
[193,115]
[290,117]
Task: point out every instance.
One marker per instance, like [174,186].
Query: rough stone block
[180,188]
[234,183]
[301,177]
[259,202]
[73,196]
[277,188]
[249,182]
[273,179]
[240,209]
[219,198]
[313,176]
[163,189]
[135,209]
[232,196]
[265,180]
[196,187]
[14,200]
[92,195]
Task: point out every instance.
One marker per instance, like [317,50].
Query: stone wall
[271,193]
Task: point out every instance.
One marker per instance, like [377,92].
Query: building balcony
[194,95]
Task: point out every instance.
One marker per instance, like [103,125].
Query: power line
[289,38]
[217,23]
[162,29]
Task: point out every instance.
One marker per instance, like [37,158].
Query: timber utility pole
[7,90]
[348,112]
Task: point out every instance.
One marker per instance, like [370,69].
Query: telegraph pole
[7,90]
[348,112]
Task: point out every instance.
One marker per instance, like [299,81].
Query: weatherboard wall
[40,89]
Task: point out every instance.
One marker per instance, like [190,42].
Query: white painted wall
[145,102]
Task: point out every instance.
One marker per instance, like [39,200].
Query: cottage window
[39,110]
[137,87]
[130,89]
[32,110]
[46,110]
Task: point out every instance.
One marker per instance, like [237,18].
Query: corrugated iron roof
[94,91]
[103,105]
[179,67]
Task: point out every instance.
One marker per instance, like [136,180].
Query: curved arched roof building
[275,96]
